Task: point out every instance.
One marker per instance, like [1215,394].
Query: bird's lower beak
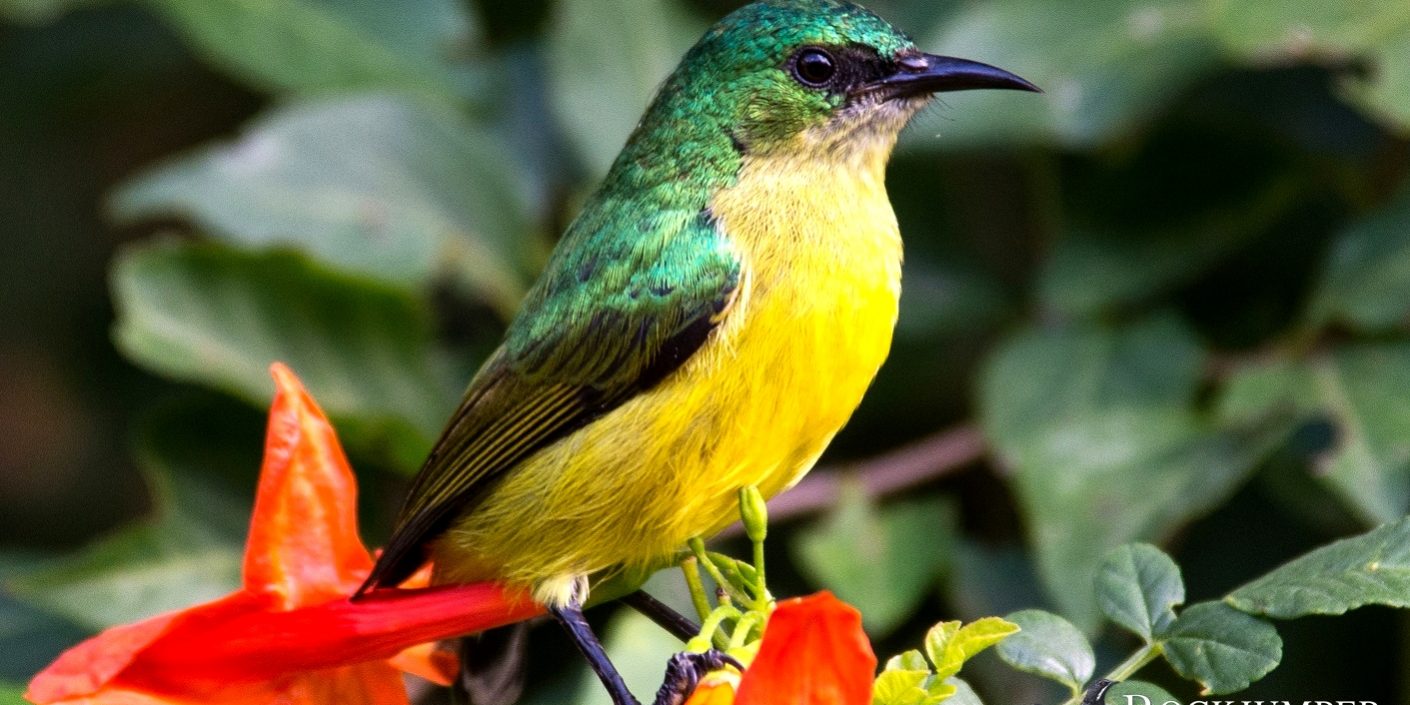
[919,74]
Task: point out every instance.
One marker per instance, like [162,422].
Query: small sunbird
[708,322]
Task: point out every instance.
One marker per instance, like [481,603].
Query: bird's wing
[613,314]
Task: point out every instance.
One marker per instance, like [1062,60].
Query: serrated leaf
[1366,281]
[1098,64]
[216,316]
[601,88]
[885,557]
[912,660]
[1127,692]
[900,687]
[937,640]
[1137,587]
[378,185]
[1221,647]
[971,639]
[1048,646]
[1370,569]
[1100,428]
[326,45]
[1359,388]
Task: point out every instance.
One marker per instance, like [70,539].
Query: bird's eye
[814,67]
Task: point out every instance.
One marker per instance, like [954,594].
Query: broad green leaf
[964,694]
[30,638]
[220,317]
[1360,389]
[1221,647]
[1137,587]
[1100,429]
[1048,646]
[937,639]
[1138,693]
[971,639]
[886,557]
[1295,30]
[1366,282]
[378,185]
[607,58]
[188,551]
[1105,66]
[327,45]
[1370,569]
[639,648]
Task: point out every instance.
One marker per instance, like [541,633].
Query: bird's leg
[665,617]
[571,617]
[684,671]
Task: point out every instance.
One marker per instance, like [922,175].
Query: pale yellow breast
[756,405]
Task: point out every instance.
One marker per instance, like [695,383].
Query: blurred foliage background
[1171,296]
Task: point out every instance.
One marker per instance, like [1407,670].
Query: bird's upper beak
[920,74]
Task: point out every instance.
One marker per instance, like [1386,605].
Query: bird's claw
[684,671]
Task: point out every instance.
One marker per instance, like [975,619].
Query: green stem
[698,548]
[710,630]
[691,568]
[1127,668]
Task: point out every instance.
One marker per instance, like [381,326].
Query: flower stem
[1127,668]
[691,568]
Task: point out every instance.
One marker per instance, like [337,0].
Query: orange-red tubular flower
[289,635]
[814,652]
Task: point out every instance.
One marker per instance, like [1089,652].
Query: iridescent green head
[777,69]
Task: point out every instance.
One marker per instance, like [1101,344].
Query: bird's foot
[684,671]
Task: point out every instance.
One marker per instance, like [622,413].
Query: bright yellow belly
[757,404]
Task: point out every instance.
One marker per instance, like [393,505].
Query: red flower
[814,652]
[289,635]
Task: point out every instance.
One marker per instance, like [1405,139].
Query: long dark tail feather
[492,665]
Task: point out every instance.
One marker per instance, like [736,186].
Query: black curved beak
[918,74]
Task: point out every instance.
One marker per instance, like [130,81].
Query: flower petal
[86,668]
[303,545]
[716,688]
[814,652]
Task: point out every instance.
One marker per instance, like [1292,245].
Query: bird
[709,321]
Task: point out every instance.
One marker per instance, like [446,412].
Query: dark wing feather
[611,317]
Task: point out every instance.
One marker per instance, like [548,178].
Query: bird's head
[828,72]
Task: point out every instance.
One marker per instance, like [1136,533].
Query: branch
[911,465]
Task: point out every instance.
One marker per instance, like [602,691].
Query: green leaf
[1366,282]
[1105,67]
[1370,569]
[601,88]
[886,558]
[899,687]
[1137,587]
[1295,30]
[12,694]
[188,551]
[220,317]
[1221,647]
[1048,646]
[1100,429]
[326,45]
[1359,388]
[1130,692]
[912,660]
[960,646]
[964,694]
[377,185]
